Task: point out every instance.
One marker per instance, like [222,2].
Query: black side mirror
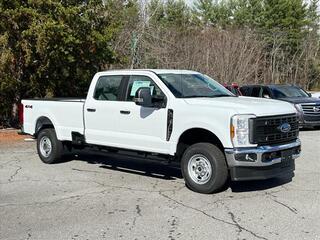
[143,97]
[309,94]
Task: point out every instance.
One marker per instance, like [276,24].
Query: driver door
[142,128]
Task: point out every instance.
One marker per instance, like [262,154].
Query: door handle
[125,112]
[91,109]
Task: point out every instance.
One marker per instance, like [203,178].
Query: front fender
[221,131]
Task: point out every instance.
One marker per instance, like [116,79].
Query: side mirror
[309,94]
[143,97]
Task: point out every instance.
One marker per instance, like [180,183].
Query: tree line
[53,48]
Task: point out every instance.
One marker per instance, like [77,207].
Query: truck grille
[267,130]
[311,109]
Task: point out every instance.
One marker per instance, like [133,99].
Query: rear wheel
[49,148]
[204,168]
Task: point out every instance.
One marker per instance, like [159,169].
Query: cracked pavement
[97,196]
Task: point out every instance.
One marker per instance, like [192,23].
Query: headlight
[239,130]
[298,108]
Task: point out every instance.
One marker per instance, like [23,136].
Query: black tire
[55,155]
[219,170]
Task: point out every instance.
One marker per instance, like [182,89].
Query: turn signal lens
[232,131]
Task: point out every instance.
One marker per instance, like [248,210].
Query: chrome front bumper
[260,151]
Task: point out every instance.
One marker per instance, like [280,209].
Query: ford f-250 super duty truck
[176,115]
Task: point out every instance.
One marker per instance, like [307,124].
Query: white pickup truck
[174,115]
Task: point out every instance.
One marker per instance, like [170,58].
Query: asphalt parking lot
[112,197]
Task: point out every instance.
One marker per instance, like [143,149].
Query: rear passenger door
[102,108]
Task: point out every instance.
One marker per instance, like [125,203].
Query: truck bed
[66,114]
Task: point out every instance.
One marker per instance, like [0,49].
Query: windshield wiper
[195,96]
[212,96]
[223,95]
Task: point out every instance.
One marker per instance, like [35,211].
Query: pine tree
[248,13]
[286,19]
[214,13]
[177,13]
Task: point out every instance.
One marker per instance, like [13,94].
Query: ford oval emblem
[285,127]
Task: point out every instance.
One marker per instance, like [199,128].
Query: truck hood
[245,105]
[297,100]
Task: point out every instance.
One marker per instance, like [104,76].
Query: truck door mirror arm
[159,101]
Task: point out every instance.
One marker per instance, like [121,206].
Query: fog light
[267,157]
[246,157]
[297,150]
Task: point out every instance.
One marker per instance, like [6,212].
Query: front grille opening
[266,130]
[311,109]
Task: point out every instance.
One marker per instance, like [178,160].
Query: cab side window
[108,88]
[265,93]
[135,82]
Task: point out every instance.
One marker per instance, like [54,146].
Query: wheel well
[196,135]
[42,123]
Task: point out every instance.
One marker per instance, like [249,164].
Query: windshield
[288,92]
[193,85]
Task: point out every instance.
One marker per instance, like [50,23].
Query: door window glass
[136,82]
[245,91]
[255,92]
[265,93]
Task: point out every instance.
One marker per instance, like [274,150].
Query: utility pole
[134,43]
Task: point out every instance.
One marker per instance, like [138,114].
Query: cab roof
[156,71]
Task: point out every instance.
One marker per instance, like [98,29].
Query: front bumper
[306,121]
[262,162]
[306,124]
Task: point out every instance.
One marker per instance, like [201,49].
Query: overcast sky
[190,2]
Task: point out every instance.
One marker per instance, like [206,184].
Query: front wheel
[204,168]
[49,148]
